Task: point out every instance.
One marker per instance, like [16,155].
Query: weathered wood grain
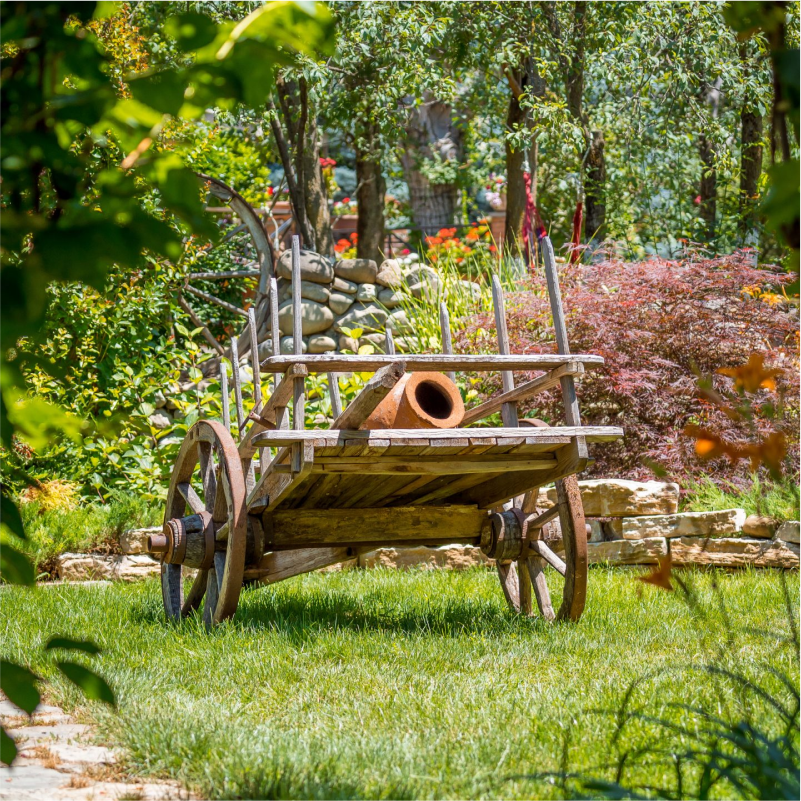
[372,393]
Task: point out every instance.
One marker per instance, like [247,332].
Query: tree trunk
[299,147]
[515,187]
[431,135]
[370,190]
[595,189]
[708,188]
[750,170]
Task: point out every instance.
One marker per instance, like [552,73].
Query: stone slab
[734,552]
[760,526]
[788,531]
[86,567]
[453,557]
[627,552]
[617,497]
[134,541]
[722,523]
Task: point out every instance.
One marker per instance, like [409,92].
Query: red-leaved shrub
[659,325]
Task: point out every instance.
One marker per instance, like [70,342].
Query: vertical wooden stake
[240,411]
[226,398]
[254,356]
[389,342]
[333,392]
[572,415]
[445,328]
[508,410]
[299,404]
[281,417]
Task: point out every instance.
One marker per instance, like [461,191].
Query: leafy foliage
[659,325]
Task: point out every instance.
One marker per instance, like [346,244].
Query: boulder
[390,298]
[595,531]
[362,315]
[378,341]
[628,552]
[320,343]
[135,540]
[313,267]
[407,344]
[366,292]
[760,526]
[361,271]
[399,323]
[424,283]
[616,497]
[90,567]
[348,287]
[788,531]
[687,524]
[472,288]
[287,346]
[734,552]
[312,291]
[160,420]
[265,349]
[348,343]
[340,302]
[390,273]
[314,317]
[453,557]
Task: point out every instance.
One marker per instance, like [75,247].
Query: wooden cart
[270,499]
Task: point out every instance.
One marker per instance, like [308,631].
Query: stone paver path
[58,761]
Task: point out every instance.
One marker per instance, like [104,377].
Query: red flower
[346,200]
[698,200]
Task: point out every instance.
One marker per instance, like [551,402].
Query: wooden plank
[509,408]
[282,418]
[280,565]
[254,356]
[432,362]
[372,393]
[399,465]
[554,434]
[523,392]
[389,342]
[226,396]
[273,488]
[240,411]
[333,393]
[301,527]
[571,459]
[299,401]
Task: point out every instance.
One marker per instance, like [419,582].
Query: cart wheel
[520,576]
[216,497]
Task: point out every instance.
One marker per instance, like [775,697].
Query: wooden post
[389,341]
[572,415]
[508,410]
[445,328]
[226,398]
[299,404]
[281,418]
[254,356]
[333,392]
[240,412]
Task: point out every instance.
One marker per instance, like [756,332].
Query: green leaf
[15,566]
[191,30]
[10,516]
[163,91]
[8,749]
[93,686]
[87,646]
[19,685]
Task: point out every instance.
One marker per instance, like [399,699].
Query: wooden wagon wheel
[218,501]
[520,576]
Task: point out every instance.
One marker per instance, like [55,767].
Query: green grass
[772,499]
[87,528]
[384,684]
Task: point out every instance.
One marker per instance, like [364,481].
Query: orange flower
[752,376]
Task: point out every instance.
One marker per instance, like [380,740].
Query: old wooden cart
[271,499]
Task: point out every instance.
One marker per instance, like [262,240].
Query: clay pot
[419,400]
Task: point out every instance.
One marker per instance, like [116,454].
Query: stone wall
[338,297]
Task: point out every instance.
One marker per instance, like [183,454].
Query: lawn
[383,684]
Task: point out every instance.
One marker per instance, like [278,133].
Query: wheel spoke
[207,476]
[196,593]
[524,587]
[191,497]
[507,573]
[172,590]
[536,572]
[548,555]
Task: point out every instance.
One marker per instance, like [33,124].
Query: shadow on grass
[304,613]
